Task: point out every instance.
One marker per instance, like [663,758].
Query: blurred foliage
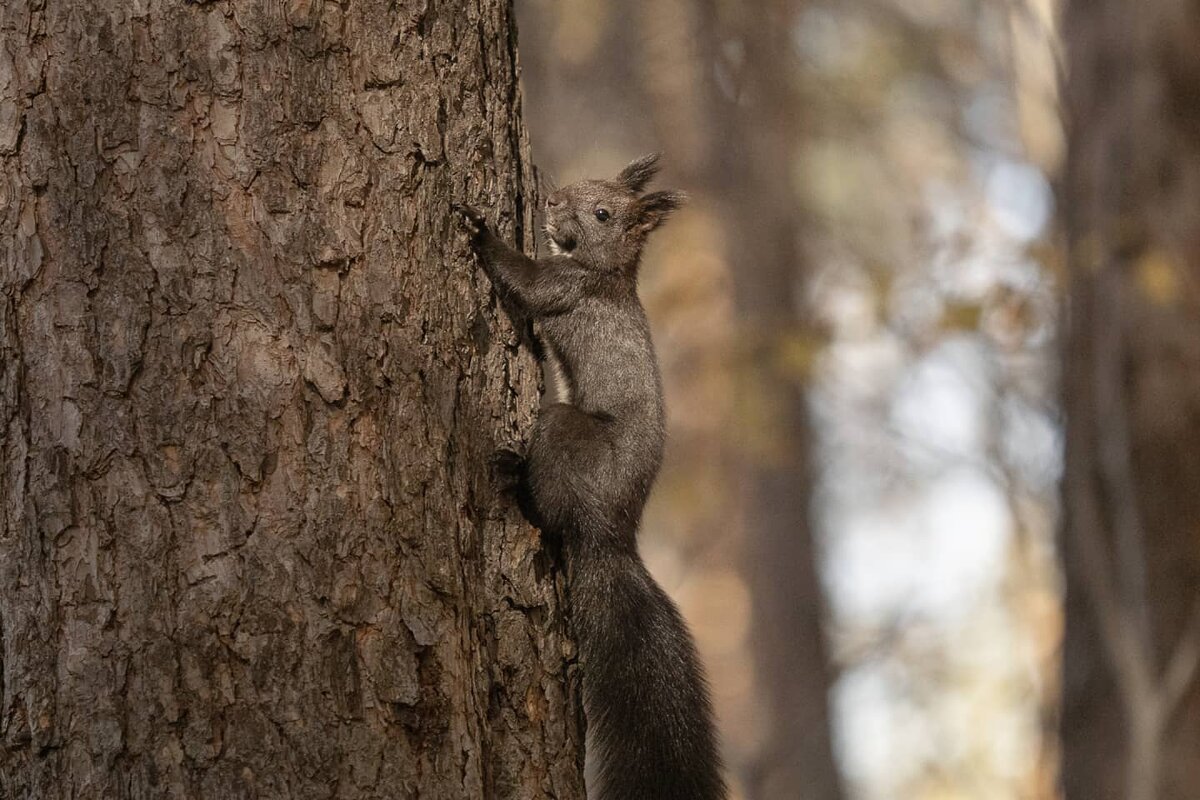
[927,134]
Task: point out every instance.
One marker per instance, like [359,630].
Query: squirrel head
[604,223]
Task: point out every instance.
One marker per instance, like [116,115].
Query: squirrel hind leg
[510,470]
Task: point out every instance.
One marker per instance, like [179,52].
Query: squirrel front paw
[472,221]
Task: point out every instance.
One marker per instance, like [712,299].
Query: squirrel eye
[602,214]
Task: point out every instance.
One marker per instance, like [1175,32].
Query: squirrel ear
[640,172]
[653,209]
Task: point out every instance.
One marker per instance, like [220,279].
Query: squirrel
[587,471]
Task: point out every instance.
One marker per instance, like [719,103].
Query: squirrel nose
[555,199]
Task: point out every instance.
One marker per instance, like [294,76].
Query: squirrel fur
[586,474]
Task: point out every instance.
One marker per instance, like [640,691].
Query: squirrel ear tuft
[654,208]
[639,173]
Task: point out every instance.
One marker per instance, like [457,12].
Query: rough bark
[1131,545]
[250,381]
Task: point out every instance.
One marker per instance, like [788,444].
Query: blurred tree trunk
[1131,200]
[249,383]
[756,133]
[710,83]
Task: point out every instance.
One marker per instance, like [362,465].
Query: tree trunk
[757,135]
[250,382]
[1131,199]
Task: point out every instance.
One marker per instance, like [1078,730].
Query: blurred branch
[1182,666]
[1023,10]
[1112,437]
[1085,527]
[1118,592]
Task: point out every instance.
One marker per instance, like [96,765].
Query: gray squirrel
[587,471]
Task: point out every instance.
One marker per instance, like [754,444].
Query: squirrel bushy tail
[649,716]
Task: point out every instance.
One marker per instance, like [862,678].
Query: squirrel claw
[473,221]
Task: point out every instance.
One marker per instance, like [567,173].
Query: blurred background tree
[716,86]
[856,319]
[1131,391]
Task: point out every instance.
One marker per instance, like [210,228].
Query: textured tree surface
[249,382]
[1131,199]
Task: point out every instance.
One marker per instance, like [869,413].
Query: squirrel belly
[558,383]
[587,472]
